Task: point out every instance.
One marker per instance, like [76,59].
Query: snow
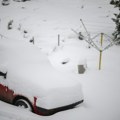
[44,20]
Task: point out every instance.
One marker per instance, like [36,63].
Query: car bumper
[47,112]
[58,99]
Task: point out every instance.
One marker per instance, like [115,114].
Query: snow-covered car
[28,80]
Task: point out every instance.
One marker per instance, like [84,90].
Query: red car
[28,80]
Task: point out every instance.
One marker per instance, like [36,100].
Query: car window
[3,81]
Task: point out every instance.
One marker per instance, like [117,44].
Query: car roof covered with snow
[28,67]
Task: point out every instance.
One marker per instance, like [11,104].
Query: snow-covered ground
[44,20]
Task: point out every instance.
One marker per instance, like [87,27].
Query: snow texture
[44,20]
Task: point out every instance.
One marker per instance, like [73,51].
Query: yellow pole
[101,41]
[100,58]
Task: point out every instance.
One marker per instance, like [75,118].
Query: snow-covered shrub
[5,2]
[116,33]
[21,0]
[32,40]
[10,24]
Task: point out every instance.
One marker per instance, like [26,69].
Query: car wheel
[23,104]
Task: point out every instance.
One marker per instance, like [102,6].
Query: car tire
[23,104]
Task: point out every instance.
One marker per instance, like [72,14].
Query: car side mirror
[3,74]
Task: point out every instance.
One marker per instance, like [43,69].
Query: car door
[5,93]
[3,88]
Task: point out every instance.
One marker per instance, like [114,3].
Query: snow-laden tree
[116,33]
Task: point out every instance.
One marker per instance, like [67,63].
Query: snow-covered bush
[21,0]
[10,24]
[5,2]
[116,33]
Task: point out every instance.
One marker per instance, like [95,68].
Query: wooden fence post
[58,40]
[100,58]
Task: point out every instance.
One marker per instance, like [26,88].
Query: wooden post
[101,41]
[58,40]
[100,58]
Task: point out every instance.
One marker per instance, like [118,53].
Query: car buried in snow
[28,80]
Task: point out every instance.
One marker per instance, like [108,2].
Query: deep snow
[44,20]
